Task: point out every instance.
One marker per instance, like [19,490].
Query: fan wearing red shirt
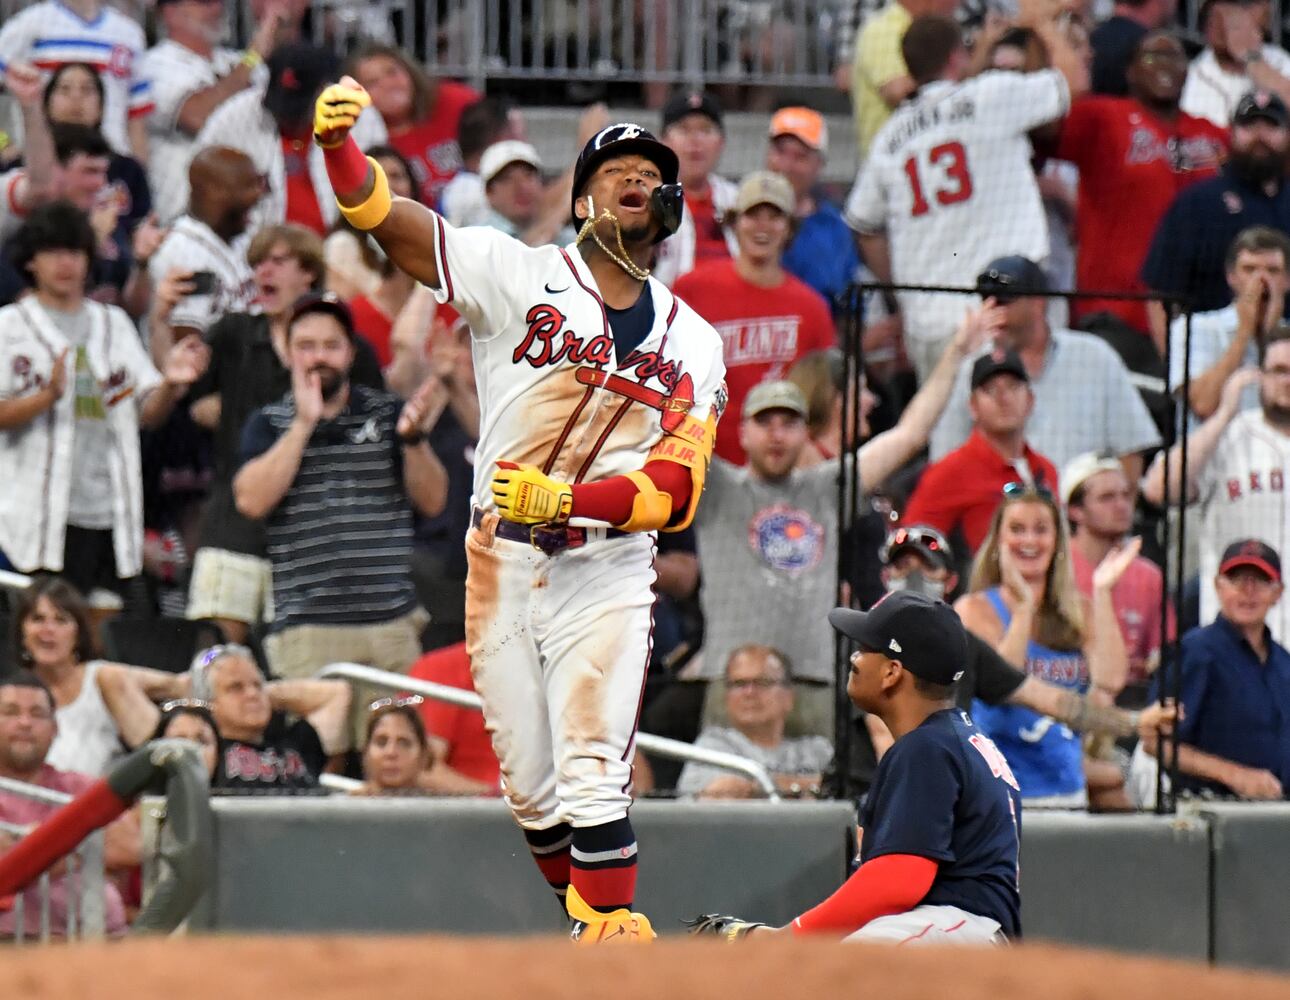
[420,114]
[767,318]
[962,490]
[464,762]
[1134,154]
[1098,499]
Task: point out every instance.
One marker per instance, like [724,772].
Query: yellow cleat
[590,926]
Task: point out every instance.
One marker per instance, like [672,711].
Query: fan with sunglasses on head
[1022,600]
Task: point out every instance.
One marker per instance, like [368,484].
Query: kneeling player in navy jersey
[941,825]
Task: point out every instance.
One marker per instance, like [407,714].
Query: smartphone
[203,282]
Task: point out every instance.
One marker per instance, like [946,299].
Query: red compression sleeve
[893,883]
[611,499]
[346,166]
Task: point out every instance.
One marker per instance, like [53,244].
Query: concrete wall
[1208,884]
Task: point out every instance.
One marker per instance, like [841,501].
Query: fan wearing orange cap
[822,252]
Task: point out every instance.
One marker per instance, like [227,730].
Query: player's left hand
[729,929]
[526,494]
[337,109]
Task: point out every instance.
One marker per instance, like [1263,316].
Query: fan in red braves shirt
[767,318]
[1134,154]
[420,114]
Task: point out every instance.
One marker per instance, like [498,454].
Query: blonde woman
[1023,601]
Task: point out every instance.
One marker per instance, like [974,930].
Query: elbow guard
[689,445]
[651,507]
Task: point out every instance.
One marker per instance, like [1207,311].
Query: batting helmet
[621,140]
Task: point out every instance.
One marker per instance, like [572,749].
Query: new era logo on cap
[894,646]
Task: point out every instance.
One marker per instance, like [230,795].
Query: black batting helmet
[621,140]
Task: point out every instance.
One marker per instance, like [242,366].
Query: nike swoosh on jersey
[555,291]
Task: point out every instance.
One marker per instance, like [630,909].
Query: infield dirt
[320,968]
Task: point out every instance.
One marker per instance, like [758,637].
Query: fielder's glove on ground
[726,928]
[524,493]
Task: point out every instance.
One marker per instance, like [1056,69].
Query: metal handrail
[339,783]
[87,891]
[660,745]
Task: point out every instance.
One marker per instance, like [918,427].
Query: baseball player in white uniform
[599,395]
[1238,462]
[948,185]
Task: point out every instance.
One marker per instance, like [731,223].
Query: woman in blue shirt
[1024,602]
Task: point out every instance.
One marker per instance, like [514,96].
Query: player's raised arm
[405,229]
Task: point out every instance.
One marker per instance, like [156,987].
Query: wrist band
[372,212]
[251,59]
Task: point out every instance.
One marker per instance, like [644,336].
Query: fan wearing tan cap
[822,252]
[1098,499]
[767,318]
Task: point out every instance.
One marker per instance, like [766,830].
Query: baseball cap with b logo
[1254,553]
[924,634]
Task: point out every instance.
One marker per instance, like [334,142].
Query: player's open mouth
[633,199]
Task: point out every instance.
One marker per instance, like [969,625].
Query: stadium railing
[660,745]
[86,916]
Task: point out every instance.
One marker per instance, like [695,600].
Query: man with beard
[1134,154]
[1188,251]
[192,75]
[225,187]
[231,582]
[1236,472]
[330,469]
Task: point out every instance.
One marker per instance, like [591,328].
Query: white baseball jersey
[176,72]
[242,123]
[1212,92]
[1242,493]
[50,35]
[949,180]
[191,245]
[551,391]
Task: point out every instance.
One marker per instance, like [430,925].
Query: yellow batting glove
[524,493]
[336,111]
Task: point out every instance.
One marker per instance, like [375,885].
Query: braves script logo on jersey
[788,538]
[549,342]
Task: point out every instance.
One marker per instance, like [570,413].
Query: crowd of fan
[204,375]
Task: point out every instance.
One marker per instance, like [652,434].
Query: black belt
[548,538]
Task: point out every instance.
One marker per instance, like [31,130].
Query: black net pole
[848,497]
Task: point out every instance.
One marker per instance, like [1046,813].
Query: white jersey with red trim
[551,391]
[50,35]
[949,180]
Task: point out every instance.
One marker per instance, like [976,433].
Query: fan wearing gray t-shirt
[759,696]
[768,531]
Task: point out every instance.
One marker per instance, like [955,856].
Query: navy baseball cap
[999,361]
[925,635]
[923,539]
[692,102]
[1251,552]
[1260,104]
[1011,277]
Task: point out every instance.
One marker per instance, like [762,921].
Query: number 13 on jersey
[942,173]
